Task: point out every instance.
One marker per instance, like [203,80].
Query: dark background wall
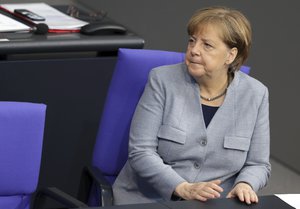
[274,57]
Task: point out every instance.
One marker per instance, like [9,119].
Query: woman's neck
[213,91]
[211,87]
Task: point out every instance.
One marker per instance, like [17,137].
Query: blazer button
[196,165]
[203,142]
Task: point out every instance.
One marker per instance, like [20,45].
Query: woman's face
[207,54]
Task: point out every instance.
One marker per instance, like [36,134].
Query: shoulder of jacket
[169,72]
[250,83]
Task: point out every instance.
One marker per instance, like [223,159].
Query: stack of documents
[55,19]
[8,24]
[291,199]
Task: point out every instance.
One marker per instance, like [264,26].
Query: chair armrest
[57,195]
[93,175]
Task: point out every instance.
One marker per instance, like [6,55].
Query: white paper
[53,18]
[8,24]
[291,199]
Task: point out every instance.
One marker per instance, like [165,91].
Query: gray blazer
[169,143]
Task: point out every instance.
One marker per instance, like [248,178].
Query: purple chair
[110,151]
[21,140]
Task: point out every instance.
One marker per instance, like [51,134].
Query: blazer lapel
[226,112]
[192,115]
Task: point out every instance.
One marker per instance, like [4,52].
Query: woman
[201,128]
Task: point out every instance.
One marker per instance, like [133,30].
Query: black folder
[265,202]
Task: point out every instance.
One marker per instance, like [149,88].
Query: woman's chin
[196,72]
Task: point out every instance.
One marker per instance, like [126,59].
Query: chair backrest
[127,84]
[21,139]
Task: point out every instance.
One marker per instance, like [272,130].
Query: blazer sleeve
[143,142]
[257,168]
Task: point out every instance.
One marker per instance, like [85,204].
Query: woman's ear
[231,55]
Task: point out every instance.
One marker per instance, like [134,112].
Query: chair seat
[21,140]
[14,202]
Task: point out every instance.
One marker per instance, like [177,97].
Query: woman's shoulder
[248,91]
[248,83]
[166,69]
[170,72]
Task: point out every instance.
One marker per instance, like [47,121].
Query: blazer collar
[226,110]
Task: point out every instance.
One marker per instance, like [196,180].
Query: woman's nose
[196,50]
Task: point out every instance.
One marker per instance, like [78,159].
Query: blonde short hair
[234,26]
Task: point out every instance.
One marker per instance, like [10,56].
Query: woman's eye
[207,45]
[191,40]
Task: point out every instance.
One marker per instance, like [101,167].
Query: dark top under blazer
[169,143]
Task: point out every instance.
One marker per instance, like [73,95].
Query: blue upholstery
[127,84]
[21,139]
